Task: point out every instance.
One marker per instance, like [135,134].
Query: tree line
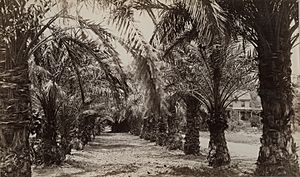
[199,56]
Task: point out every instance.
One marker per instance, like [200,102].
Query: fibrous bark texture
[218,151]
[277,155]
[192,143]
[15,106]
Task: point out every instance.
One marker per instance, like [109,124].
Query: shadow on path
[124,155]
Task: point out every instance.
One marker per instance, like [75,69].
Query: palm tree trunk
[153,126]
[65,130]
[15,106]
[218,151]
[277,155]
[50,148]
[192,143]
[161,135]
[174,138]
[144,129]
[217,123]
[149,129]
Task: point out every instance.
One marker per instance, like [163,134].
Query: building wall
[239,104]
[247,104]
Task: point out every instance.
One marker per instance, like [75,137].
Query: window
[243,104]
[243,115]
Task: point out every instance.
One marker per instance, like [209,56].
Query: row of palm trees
[57,58]
[268,25]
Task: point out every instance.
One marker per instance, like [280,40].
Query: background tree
[174,140]
[217,86]
[65,59]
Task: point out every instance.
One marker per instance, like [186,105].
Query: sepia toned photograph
[149,88]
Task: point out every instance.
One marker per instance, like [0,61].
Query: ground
[125,155]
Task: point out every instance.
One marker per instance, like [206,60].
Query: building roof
[242,96]
[246,96]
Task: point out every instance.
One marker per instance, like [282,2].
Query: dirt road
[124,155]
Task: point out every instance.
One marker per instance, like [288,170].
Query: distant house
[245,106]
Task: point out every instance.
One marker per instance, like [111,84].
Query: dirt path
[124,155]
[244,146]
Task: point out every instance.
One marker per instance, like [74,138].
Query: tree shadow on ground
[122,170]
[113,146]
[205,172]
[196,158]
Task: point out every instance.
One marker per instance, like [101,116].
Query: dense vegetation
[62,79]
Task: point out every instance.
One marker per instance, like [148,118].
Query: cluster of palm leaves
[74,74]
[197,60]
[70,73]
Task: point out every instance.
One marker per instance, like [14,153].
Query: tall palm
[19,31]
[270,26]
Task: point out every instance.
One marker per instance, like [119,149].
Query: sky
[296,59]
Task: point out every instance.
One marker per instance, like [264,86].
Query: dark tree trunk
[136,124]
[161,135]
[192,143]
[153,128]
[277,155]
[15,106]
[145,129]
[50,148]
[149,129]
[86,126]
[174,138]
[66,125]
[218,151]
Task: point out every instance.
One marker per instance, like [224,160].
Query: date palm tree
[213,80]
[66,55]
[216,81]
[271,26]
[19,33]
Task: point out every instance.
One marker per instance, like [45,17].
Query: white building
[245,106]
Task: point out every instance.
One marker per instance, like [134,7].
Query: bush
[256,121]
